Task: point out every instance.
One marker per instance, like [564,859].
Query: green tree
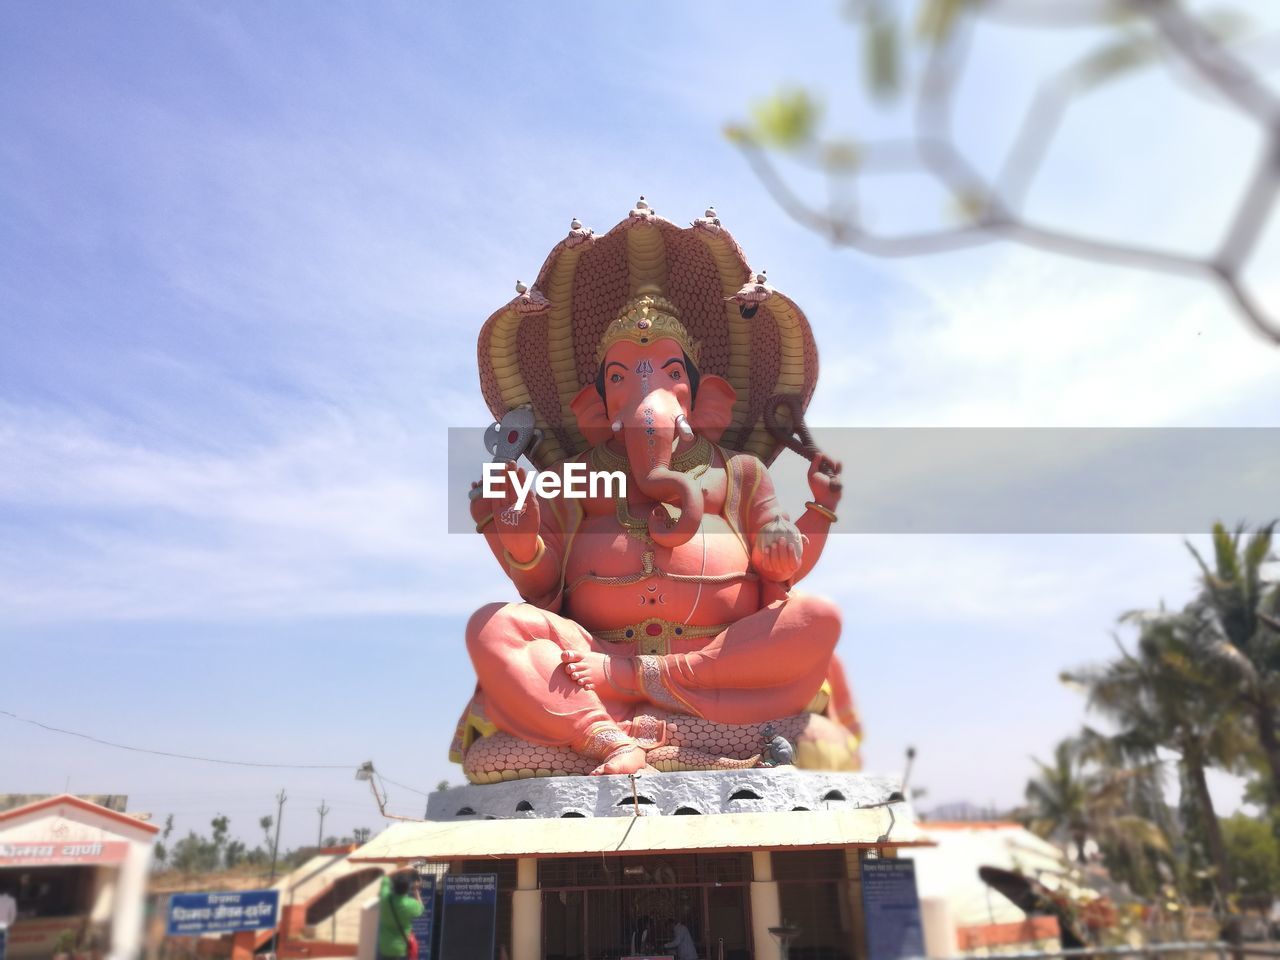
[266,823]
[194,854]
[235,854]
[1078,797]
[1162,695]
[1241,611]
[361,834]
[221,830]
[1255,854]
[162,849]
[1059,800]
[1138,843]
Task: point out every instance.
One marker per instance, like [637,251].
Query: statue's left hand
[778,550]
[824,480]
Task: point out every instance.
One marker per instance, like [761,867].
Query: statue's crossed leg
[548,681]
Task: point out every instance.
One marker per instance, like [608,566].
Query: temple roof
[626,834]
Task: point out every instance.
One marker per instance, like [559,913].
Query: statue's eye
[615,378]
[675,374]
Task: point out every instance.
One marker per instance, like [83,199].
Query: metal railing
[1216,949]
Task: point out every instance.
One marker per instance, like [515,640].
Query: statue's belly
[616,580]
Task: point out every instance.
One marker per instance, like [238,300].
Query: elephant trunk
[650,440]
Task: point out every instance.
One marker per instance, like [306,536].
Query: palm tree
[1059,798]
[1162,696]
[1082,796]
[1139,835]
[1242,613]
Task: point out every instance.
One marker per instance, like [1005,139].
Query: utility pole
[275,846]
[322,810]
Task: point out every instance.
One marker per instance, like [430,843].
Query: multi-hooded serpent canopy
[539,349]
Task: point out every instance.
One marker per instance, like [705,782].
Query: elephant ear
[593,420]
[713,408]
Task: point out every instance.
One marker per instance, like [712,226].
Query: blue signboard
[424,924]
[891,908]
[469,912]
[191,914]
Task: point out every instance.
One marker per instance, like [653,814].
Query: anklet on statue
[619,751]
[603,740]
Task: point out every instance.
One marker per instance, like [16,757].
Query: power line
[179,756]
[187,756]
[421,793]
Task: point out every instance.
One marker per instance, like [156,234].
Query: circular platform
[776,789]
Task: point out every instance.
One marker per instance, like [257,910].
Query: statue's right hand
[480,507]
[517,526]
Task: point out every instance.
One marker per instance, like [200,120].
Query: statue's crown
[646,317]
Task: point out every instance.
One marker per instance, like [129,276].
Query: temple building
[586,865]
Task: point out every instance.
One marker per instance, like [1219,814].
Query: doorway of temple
[607,908]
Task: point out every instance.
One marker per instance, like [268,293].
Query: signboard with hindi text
[55,853]
[891,907]
[424,924]
[193,914]
[468,916]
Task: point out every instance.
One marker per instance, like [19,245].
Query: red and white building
[79,873]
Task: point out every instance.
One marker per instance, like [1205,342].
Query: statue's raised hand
[824,480]
[517,526]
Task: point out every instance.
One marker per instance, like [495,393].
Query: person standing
[401,904]
[682,942]
[8,908]
[640,936]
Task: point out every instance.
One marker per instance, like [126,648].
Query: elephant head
[650,394]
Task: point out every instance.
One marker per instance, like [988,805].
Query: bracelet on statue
[821,510]
[484,523]
[515,564]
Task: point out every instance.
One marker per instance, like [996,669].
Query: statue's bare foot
[584,669]
[628,758]
[592,670]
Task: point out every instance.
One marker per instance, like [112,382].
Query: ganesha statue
[659,624]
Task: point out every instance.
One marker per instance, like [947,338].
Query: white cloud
[1003,580]
[344,517]
[1010,337]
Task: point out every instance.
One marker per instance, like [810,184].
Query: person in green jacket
[401,903]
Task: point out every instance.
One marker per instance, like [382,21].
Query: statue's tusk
[617,425]
[682,424]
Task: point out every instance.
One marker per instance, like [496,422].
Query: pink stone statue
[661,628]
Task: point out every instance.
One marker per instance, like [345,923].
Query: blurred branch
[1150,31]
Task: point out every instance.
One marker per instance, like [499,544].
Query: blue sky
[244,254]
